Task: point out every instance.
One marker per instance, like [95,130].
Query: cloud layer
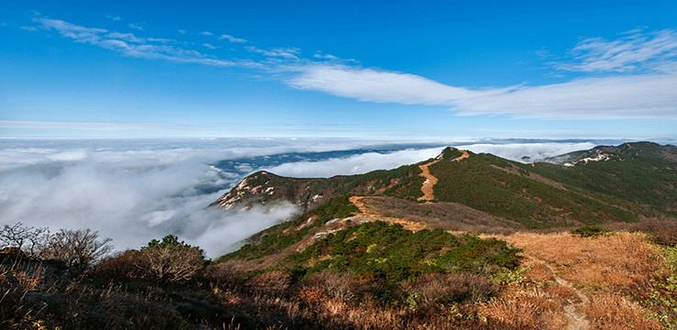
[131,195]
[137,190]
[134,191]
[357,164]
[528,152]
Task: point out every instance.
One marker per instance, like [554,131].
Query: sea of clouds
[136,190]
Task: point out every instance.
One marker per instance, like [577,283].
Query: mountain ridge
[540,195]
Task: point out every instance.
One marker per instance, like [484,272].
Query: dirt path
[575,319]
[572,311]
[358,201]
[429,183]
[369,214]
[431,180]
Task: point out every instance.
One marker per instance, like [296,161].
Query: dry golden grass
[612,311]
[618,261]
[614,271]
[528,307]
[537,271]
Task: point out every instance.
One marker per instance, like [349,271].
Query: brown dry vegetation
[565,281]
[621,261]
[613,311]
[616,271]
[662,231]
[444,215]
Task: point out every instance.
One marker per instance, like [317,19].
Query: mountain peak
[450,153]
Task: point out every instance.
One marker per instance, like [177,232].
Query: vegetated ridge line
[431,180]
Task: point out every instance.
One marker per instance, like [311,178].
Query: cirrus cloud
[636,50]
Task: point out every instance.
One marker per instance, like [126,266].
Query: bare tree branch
[30,240]
[78,249]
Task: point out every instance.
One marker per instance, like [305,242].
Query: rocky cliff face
[262,188]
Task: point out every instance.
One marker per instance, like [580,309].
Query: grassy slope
[643,178]
[278,237]
[491,184]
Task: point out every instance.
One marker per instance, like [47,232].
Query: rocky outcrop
[262,188]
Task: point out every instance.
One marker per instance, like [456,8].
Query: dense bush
[588,231]
[167,261]
[391,253]
[171,260]
[437,288]
[119,267]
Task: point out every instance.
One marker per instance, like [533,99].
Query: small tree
[78,249]
[172,260]
[28,239]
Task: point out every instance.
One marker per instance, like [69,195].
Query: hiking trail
[572,311]
[431,180]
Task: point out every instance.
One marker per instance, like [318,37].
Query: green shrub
[279,237]
[588,231]
[506,189]
[391,253]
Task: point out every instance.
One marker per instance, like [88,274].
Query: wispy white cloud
[135,26]
[181,31]
[114,17]
[646,95]
[131,45]
[325,56]
[638,96]
[128,37]
[650,91]
[232,39]
[636,50]
[373,85]
[206,33]
[208,45]
[285,53]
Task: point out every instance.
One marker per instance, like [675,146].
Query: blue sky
[391,69]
